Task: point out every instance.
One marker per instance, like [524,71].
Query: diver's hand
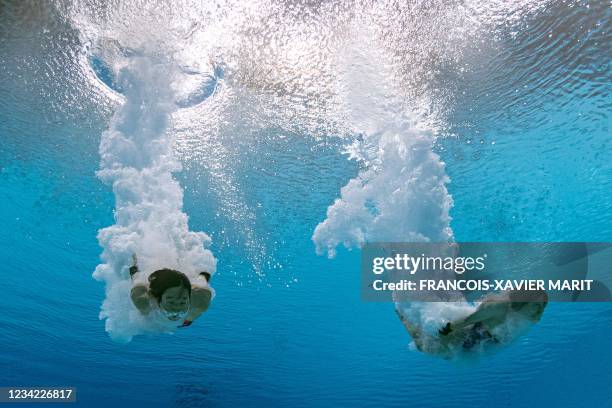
[445,330]
[134,268]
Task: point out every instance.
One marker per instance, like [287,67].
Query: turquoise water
[524,136]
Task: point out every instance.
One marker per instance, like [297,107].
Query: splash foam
[137,161]
[400,193]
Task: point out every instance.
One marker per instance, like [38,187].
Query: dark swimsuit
[478,334]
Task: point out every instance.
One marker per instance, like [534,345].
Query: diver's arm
[484,312]
[200,301]
[140,298]
[140,292]
[201,295]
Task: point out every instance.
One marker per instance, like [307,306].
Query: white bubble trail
[137,160]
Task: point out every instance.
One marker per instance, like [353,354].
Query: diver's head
[172,290]
[530,304]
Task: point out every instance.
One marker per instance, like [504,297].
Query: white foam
[137,161]
[400,194]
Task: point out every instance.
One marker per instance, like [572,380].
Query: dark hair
[164,279]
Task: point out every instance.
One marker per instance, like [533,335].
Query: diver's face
[175,301]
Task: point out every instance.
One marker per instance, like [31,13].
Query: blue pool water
[523,130]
